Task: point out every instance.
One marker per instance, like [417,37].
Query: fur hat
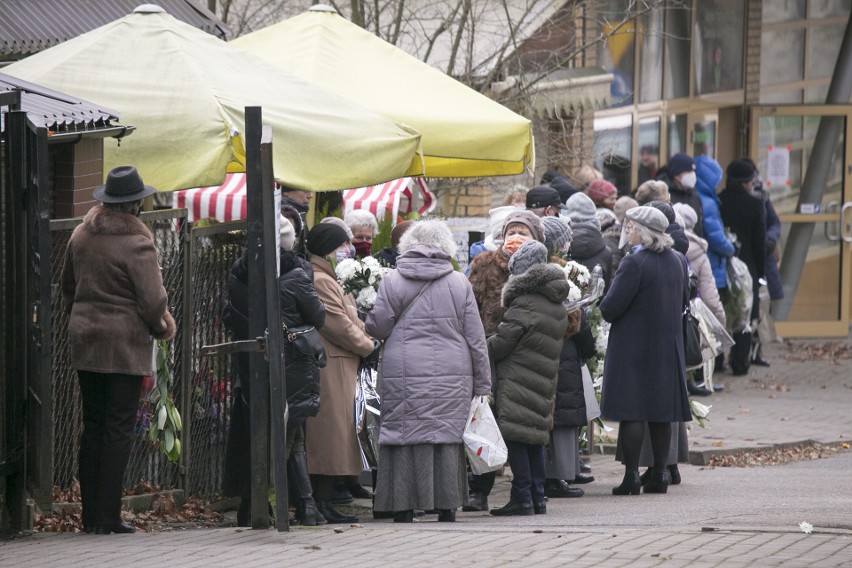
[286,234]
[740,171]
[622,204]
[557,232]
[606,218]
[650,217]
[680,163]
[528,255]
[581,209]
[651,190]
[325,238]
[687,213]
[527,218]
[339,222]
[600,189]
[428,233]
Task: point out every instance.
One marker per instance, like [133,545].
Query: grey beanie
[528,218]
[581,209]
[648,216]
[528,255]
[687,213]
[557,232]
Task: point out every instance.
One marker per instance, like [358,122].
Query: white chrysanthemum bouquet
[361,279]
[579,279]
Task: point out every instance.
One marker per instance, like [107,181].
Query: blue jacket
[709,173]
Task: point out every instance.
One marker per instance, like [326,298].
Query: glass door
[804,160]
[704,134]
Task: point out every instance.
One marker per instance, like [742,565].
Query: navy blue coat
[644,372]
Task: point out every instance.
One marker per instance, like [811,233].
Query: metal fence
[195,264]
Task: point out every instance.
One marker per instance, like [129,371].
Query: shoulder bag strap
[412,302]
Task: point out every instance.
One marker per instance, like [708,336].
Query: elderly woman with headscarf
[332,445]
[488,274]
[434,361]
[112,285]
[644,370]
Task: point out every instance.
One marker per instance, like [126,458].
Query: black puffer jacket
[688,196]
[588,248]
[570,409]
[300,305]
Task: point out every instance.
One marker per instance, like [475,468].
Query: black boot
[630,485]
[334,516]
[674,472]
[300,482]
[404,516]
[694,389]
[446,515]
[659,482]
[476,502]
[645,477]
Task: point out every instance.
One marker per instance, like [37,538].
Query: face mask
[513,243]
[363,249]
[758,184]
[687,180]
[342,254]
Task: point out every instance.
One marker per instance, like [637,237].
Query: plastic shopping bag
[483,443]
[738,297]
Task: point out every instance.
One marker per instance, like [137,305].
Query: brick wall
[77,171]
[468,199]
[754,21]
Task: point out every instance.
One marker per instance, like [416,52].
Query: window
[677,49]
[781,56]
[617,52]
[613,149]
[775,11]
[649,148]
[650,36]
[677,134]
[718,49]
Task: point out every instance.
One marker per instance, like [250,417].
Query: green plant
[165,425]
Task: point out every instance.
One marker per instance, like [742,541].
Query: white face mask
[687,180]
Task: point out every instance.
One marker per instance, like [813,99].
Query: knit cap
[528,218]
[680,163]
[528,255]
[325,238]
[581,209]
[557,232]
[286,234]
[600,189]
[687,213]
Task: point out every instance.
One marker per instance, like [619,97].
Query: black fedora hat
[123,184]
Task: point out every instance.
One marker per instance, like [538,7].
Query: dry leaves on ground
[829,351]
[777,456]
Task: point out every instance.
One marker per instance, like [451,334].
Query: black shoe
[446,515]
[359,492]
[583,478]
[556,488]
[760,362]
[540,508]
[476,502]
[674,472]
[585,468]
[382,514]
[88,529]
[695,390]
[341,495]
[659,482]
[645,477]
[514,508]
[120,528]
[332,515]
[306,512]
[630,485]
[404,516]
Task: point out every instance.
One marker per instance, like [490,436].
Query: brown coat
[113,287]
[332,445]
[489,272]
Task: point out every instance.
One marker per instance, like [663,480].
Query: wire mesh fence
[146,462]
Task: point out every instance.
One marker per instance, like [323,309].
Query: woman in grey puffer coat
[434,361]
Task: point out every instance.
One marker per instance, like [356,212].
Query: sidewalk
[719,516]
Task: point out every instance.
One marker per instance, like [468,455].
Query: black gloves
[372,360]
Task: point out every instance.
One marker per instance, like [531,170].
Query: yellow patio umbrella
[465,133]
[186,91]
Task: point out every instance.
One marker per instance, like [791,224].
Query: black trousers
[110,402]
[528,468]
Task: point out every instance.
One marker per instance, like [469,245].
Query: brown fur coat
[489,272]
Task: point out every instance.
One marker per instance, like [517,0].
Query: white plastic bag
[483,443]
[593,408]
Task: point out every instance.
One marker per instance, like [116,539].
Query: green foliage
[383,236]
[165,425]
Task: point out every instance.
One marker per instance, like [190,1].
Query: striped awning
[400,197]
[227,202]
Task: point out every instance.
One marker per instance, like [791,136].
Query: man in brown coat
[112,285]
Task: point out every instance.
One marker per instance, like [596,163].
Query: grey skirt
[563,457]
[423,476]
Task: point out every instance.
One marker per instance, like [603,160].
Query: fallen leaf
[338,531]
[719,444]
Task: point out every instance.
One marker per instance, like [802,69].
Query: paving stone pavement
[717,517]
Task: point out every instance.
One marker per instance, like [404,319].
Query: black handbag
[691,339]
[306,339]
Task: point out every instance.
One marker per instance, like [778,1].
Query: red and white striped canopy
[377,199]
[227,202]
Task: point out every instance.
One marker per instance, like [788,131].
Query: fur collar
[103,221]
[547,280]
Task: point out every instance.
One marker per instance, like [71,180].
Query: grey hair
[124,206]
[361,218]
[652,240]
[431,233]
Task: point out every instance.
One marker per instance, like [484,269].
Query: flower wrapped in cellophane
[361,279]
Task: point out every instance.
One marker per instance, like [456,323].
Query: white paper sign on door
[777,167]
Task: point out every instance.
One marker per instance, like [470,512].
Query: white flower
[371,263]
[602,339]
[578,273]
[700,410]
[346,269]
[574,293]
[366,298]
[806,527]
